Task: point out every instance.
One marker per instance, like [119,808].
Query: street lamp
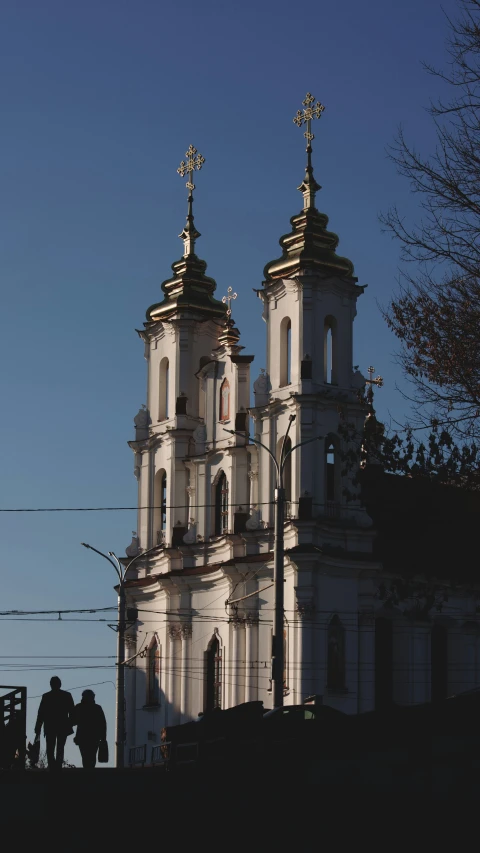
[278,555]
[121,624]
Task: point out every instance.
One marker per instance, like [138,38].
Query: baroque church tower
[205,490]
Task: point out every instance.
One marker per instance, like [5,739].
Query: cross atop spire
[311,110]
[227,300]
[378,381]
[187,167]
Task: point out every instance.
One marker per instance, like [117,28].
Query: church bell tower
[309,296]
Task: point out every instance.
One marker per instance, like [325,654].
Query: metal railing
[13,727]
[137,755]
[161,753]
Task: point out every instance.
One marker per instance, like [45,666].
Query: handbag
[103,752]
[33,751]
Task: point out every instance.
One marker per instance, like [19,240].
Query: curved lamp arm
[134,559]
[120,570]
[300,444]
[283,455]
[260,444]
[91,548]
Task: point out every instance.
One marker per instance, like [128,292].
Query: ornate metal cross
[194,161]
[228,299]
[378,381]
[305,117]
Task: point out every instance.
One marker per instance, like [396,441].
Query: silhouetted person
[55,714]
[91,728]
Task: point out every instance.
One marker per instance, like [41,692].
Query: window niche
[330,351]
[221,505]
[225,401]
[285,352]
[153,673]
[163,389]
[336,655]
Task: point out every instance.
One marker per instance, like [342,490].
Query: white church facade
[205,597]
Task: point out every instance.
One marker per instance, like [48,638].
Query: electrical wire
[123,508]
[78,687]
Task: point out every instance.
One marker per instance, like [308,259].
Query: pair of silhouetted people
[58,713]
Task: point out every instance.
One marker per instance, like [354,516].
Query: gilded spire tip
[311,111]
[194,161]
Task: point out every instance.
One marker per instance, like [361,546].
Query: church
[376,608]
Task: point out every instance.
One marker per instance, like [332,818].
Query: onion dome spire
[311,110]
[373,428]
[309,246]
[189,290]
[230,335]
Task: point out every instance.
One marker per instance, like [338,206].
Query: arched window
[213,675]
[153,673]
[329,350]
[383,663]
[330,473]
[285,352]
[336,655]
[439,662]
[202,388]
[163,390]
[160,506]
[225,400]
[221,505]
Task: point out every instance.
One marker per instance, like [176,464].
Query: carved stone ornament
[141,421]
[174,630]
[254,522]
[191,535]
[306,608]
[133,549]
[186,630]
[200,434]
[261,388]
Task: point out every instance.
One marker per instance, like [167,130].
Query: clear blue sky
[99,101]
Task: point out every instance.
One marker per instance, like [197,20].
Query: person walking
[55,715]
[91,728]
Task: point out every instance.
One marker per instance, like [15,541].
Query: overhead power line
[153,506]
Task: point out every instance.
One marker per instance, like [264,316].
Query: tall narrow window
[163,390]
[213,698]
[330,491]
[285,352]
[285,660]
[153,673]
[336,655]
[160,507]
[202,383]
[289,353]
[329,350]
[439,662]
[383,663]
[225,400]
[221,505]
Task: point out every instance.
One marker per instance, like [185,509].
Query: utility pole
[121,572]
[278,657]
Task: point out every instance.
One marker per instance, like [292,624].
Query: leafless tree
[436,313]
